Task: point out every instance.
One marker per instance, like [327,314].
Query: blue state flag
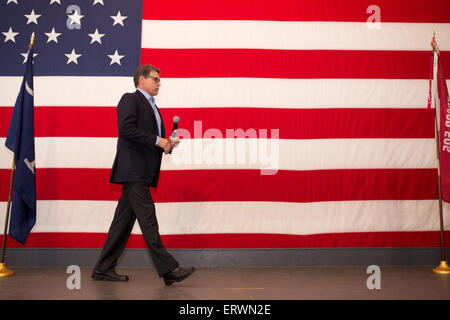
[20,140]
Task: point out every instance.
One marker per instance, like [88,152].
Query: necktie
[158,118]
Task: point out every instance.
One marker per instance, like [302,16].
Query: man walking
[140,145]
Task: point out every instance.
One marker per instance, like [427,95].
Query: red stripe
[242,185]
[292,123]
[239,241]
[67,121]
[291,64]
[294,10]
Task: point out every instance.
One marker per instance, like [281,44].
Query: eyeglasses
[157,79]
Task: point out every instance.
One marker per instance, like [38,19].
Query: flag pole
[4,271]
[443,267]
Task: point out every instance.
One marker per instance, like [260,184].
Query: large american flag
[330,94]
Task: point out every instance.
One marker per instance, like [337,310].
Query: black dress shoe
[178,274]
[110,276]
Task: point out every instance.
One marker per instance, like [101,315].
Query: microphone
[176,119]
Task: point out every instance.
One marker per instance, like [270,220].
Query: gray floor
[348,283]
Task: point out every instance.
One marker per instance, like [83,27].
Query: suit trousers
[135,203]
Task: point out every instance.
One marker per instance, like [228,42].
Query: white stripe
[292,35]
[249,217]
[69,91]
[293,93]
[240,92]
[268,154]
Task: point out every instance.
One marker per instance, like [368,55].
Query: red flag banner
[444,104]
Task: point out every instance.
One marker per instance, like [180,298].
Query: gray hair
[143,70]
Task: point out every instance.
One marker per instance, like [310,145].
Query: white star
[98,1]
[10,35]
[32,17]
[115,58]
[75,18]
[15,1]
[118,19]
[52,35]
[25,56]
[53,1]
[96,37]
[72,57]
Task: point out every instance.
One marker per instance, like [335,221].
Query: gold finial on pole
[32,41]
[434,45]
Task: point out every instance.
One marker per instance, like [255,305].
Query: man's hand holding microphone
[168,144]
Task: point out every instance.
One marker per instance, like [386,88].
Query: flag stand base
[443,268]
[4,271]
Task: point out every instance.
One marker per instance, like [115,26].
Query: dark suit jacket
[137,159]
